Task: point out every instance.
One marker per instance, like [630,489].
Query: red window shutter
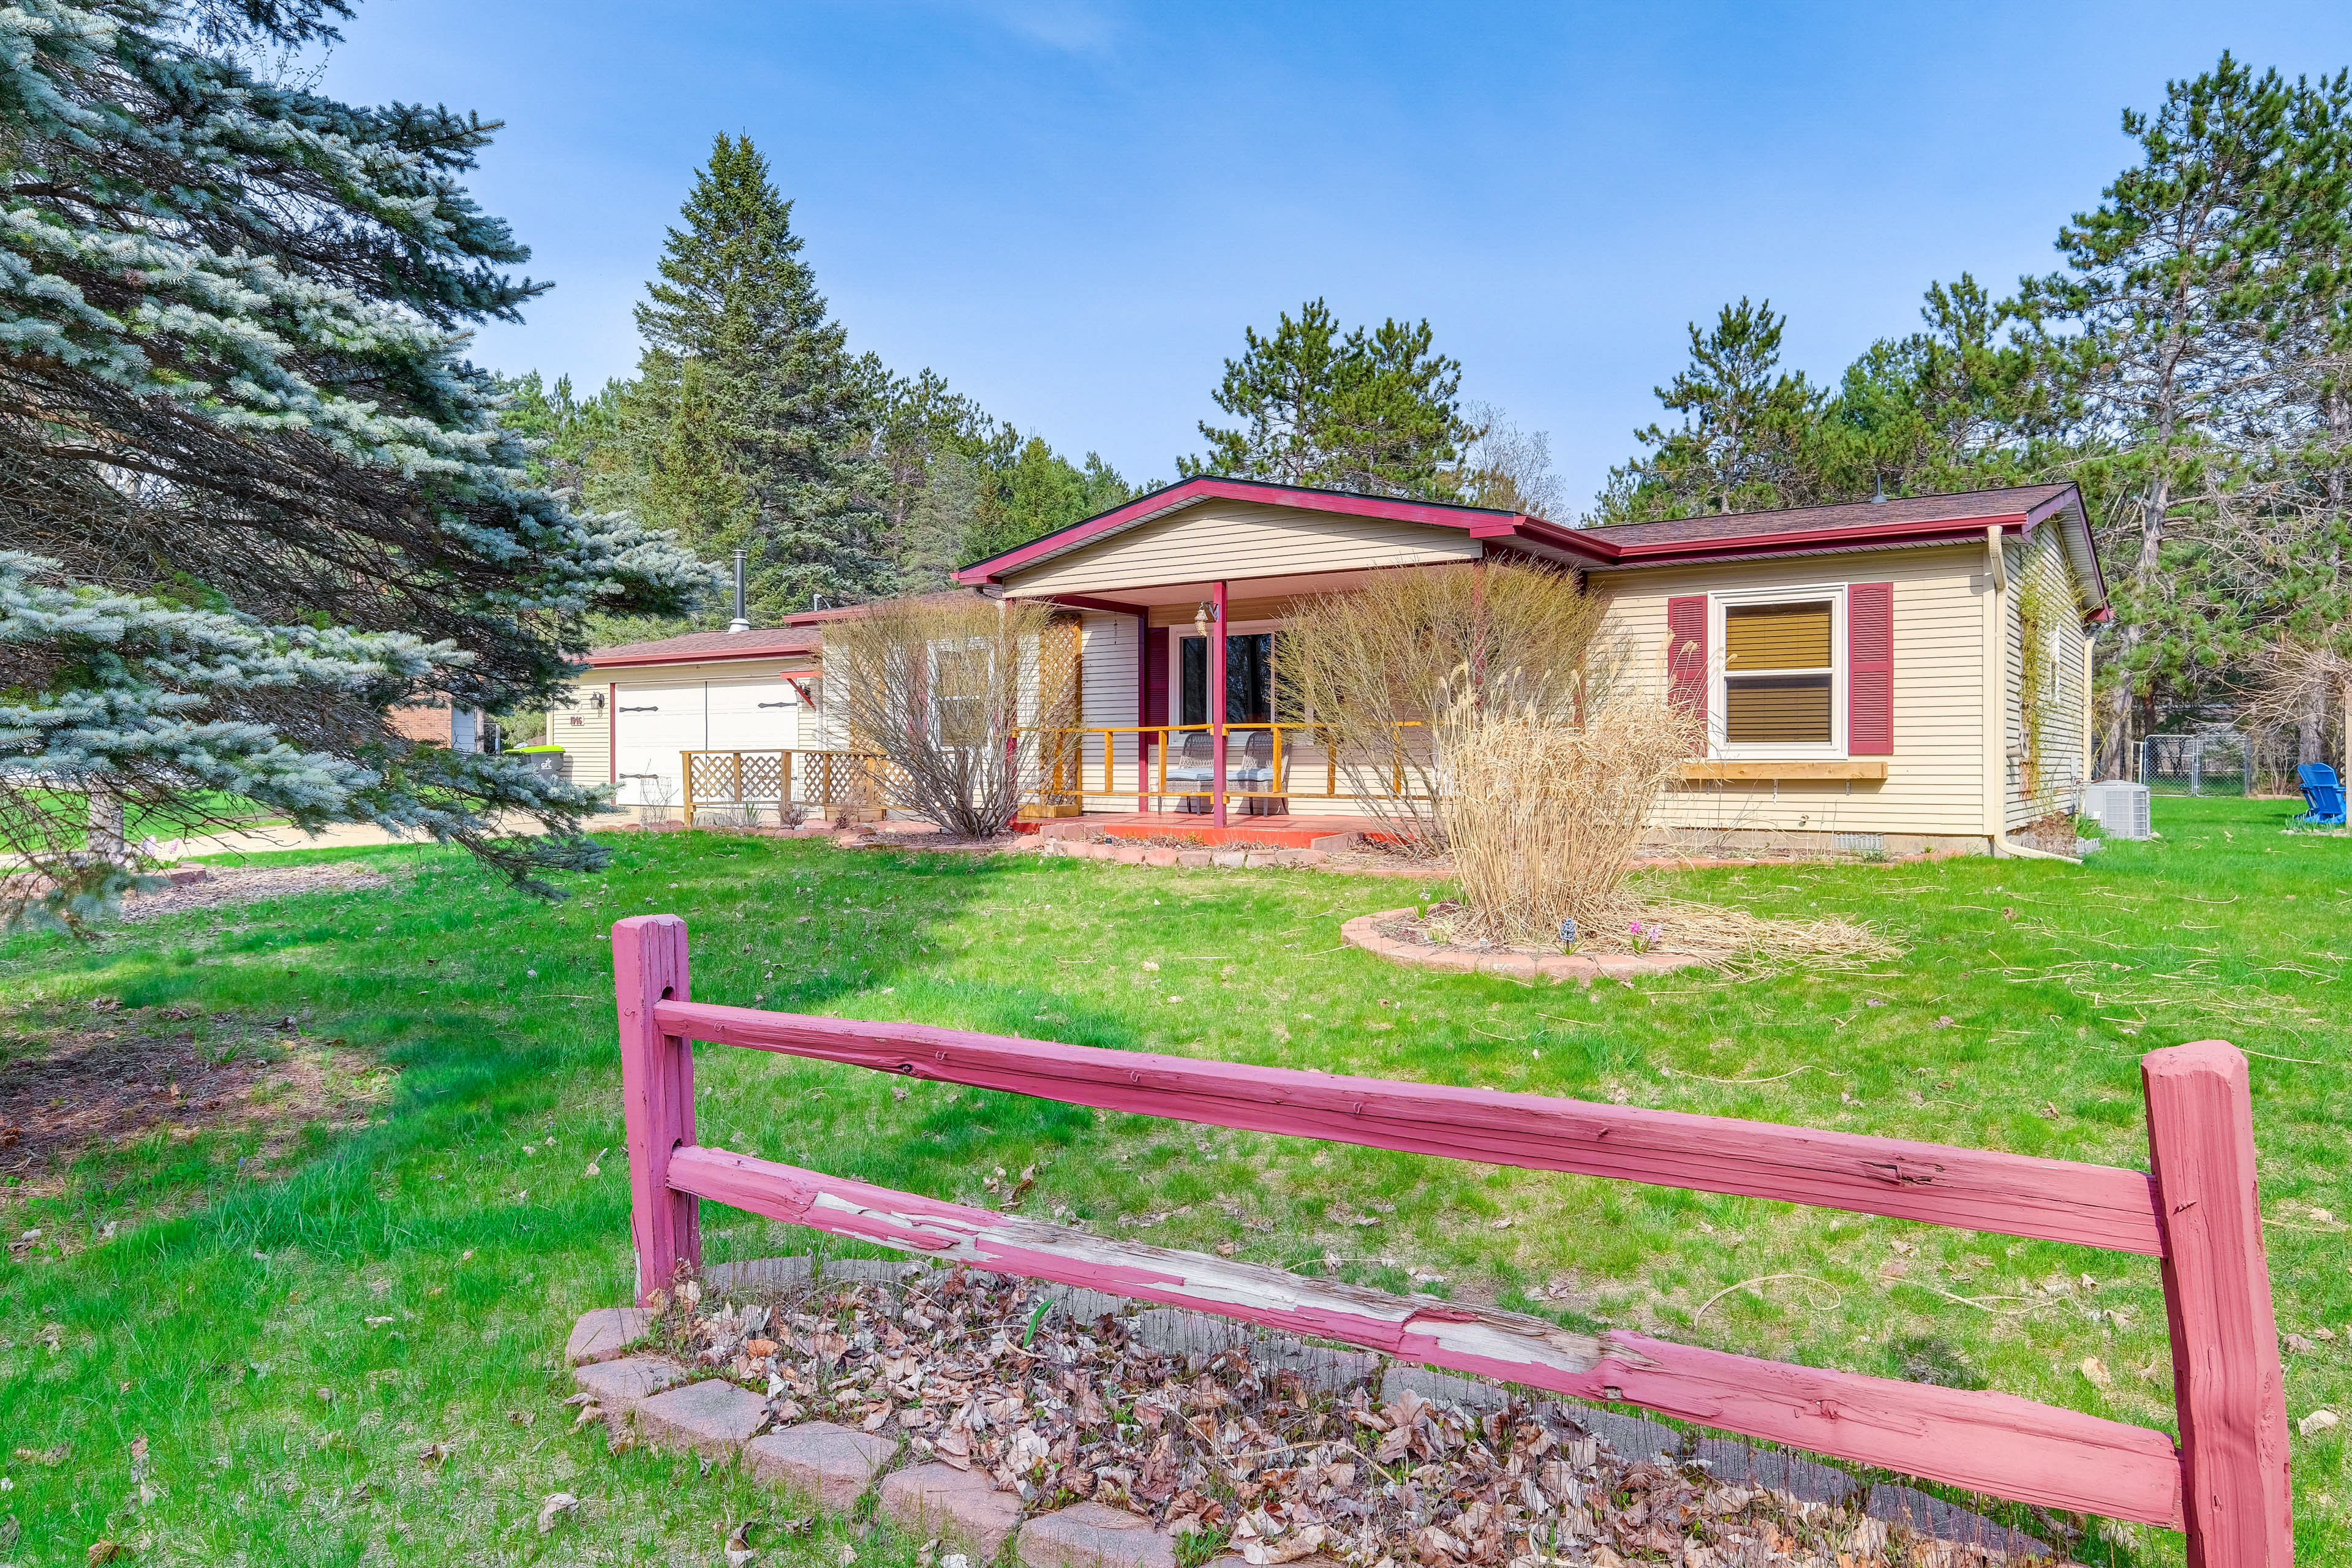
[1155,675]
[1687,668]
[1870,669]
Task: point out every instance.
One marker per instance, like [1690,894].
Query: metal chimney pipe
[739,624]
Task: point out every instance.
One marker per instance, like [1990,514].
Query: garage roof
[709,648]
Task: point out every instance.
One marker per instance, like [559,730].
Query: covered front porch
[1180,600]
[1177,717]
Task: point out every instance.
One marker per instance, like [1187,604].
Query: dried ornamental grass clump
[1543,814]
[1234,1441]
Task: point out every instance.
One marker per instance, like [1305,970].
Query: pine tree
[1742,443]
[255,498]
[1964,405]
[744,370]
[1367,411]
[2164,286]
[941,512]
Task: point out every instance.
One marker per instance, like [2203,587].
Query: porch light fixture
[1202,614]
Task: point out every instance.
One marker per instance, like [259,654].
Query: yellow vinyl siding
[1234,539]
[1935,781]
[2053,781]
[1109,698]
[583,727]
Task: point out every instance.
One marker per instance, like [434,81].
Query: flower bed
[1407,936]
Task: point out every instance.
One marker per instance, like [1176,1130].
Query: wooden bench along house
[1903,674]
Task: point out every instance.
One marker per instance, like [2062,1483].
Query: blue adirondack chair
[2323,797]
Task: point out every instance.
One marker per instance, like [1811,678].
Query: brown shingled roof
[1967,506]
[704,647]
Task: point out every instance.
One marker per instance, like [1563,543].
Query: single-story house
[1909,673]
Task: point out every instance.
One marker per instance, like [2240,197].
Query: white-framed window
[960,680]
[1779,680]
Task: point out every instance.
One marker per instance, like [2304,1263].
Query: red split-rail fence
[2224,1483]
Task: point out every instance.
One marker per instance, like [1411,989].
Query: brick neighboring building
[438,723]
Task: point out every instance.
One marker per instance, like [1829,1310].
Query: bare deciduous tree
[1387,673]
[2298,684]
[1507,467]
[960,697]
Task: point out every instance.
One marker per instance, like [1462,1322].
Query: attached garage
[645,705]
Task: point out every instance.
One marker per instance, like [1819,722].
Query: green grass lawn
[248,1365]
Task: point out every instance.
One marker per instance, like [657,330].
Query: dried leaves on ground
[992,1374]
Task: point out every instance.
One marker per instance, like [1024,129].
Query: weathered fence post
[657,1096]
[2225,1358]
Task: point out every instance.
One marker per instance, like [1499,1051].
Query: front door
[1249,679]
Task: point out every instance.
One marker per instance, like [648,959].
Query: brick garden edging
[1231,858]
[672,1406]
[1364,932]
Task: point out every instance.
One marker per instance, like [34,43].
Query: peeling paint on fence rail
[1977,1189]
[1989,1442]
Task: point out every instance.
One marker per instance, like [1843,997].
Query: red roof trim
[1484,523]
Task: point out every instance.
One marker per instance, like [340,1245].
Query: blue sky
[1071,209]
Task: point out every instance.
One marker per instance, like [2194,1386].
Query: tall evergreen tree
[1038,492]
[1368,410]
[1741,446]
[1006,488]
[745,375]
[1959,406]
[255,498]
[2165,281]
[2296,511]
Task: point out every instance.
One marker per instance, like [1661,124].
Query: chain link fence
[2219,761]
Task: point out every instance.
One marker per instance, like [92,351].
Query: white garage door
[651,725]
[752,715]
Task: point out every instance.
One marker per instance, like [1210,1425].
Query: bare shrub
[956,695]
[1389,674]
[1542,816]
[2298,683]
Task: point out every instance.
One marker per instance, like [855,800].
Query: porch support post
[1142,712]
[1216,695]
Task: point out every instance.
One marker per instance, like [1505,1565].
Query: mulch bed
[985,1374]
[2054,834]
[243,884]
[168,1071]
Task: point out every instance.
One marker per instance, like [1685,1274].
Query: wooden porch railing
[776,777]
[2225,1483]
[1065,770]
